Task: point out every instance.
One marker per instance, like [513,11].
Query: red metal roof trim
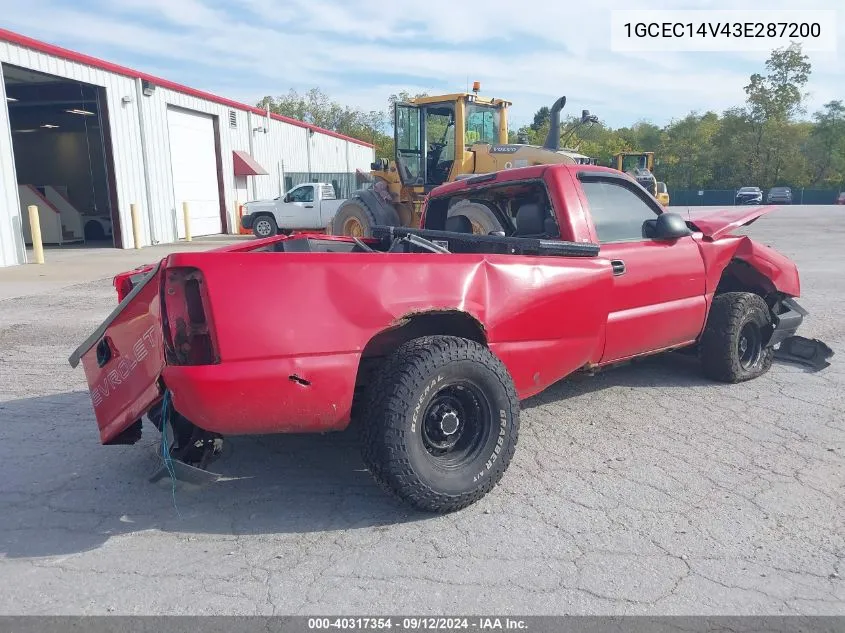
[58,51]
[246,165]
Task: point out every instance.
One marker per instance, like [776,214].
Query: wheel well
[413,326]
[740,276]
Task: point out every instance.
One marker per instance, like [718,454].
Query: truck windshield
[482,124]
[631,163]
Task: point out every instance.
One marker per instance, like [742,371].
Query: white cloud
[360,52]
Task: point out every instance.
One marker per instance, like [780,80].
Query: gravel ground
[646,489]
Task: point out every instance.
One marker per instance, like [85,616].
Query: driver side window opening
[302,194]
[619,214]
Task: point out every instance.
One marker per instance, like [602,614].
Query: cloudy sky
[360,51]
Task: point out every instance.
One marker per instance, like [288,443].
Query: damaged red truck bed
[429,338]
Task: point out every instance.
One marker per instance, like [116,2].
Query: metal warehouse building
[83,139]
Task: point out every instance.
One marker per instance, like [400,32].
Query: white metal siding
[11,235]
[328,154]
[360,157]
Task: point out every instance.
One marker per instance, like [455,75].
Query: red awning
[246,165]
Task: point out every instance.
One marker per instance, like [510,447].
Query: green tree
[825,148]
[772,101]
[542,118]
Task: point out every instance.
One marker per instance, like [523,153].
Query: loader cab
[631,162]
[430,137]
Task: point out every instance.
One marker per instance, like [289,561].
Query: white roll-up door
[193,160]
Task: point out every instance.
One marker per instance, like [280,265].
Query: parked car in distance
[308,206]
[841,198]
[97,228]
[779,195]
[749,195]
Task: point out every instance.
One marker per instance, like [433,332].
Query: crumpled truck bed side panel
[292,329]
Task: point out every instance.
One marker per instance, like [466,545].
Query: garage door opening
[63,158]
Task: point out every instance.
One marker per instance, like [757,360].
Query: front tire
[357,216]
[264,226]
[733,346]
[440,423]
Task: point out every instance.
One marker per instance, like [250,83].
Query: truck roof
[516,173]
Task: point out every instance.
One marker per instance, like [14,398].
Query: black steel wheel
[440,423]
[733,345]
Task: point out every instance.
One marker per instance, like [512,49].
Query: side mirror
[286,198]
[670,226]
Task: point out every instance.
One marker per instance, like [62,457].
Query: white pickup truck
[308,206]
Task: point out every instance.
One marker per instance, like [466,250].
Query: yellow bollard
[240,230]
[35,230]
[136,225]
[187,213]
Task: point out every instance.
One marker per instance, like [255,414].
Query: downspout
[139,92]
[308,150]
[251,153]
[349,177]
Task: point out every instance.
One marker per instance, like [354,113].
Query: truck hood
[716,223]
[260,205]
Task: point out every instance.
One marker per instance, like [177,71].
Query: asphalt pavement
[645,489]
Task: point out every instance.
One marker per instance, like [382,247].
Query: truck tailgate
[124,357]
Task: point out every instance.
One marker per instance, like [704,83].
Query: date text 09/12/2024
[417,624]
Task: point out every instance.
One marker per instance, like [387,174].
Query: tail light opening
[189,334]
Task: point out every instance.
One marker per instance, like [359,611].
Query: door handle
[618,266]
[309,206]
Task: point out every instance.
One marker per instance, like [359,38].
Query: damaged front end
[789,347]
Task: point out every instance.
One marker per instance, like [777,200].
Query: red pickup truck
[429,338]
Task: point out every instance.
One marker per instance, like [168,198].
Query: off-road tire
[721,355]
[484,221]
[393,440]
[366,209]
[274,229]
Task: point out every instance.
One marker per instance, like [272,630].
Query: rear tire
[733,344]
[440,423]
[483,219]
[264,226]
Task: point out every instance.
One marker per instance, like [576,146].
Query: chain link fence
[723,197]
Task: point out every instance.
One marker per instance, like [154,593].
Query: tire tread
[719,358]
[385,410]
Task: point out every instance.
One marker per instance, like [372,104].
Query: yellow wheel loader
[640,165]
[440,139]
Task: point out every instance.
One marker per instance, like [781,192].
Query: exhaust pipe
[553,138]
